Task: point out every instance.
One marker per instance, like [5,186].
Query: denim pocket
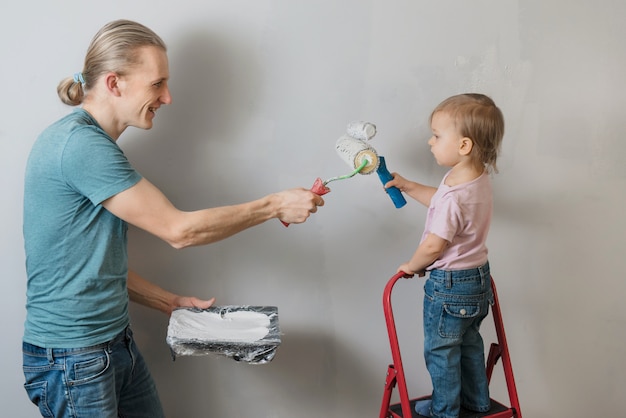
[457,317]
[87,367]
[37,393]
[38,372]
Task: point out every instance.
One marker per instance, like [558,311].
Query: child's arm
[428,251]
[417,191]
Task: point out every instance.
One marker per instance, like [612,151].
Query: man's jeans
[455,303]
[105,380]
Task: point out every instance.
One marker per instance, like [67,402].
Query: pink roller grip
[319,188]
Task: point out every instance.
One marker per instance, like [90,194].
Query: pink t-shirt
[461,215]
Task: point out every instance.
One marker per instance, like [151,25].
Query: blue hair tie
[78,78]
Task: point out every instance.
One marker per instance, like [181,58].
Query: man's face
[144,89]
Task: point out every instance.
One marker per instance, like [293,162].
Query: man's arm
[146,207]
[152,296]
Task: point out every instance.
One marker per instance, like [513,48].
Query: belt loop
[50,355]
[448,280]
[483,274]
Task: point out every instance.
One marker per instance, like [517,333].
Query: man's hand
[295,205]
[191,302]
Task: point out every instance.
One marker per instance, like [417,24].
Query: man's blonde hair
[113,48]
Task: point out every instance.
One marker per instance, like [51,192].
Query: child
[467,133]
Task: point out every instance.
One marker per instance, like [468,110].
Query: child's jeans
[107,380]
[455,303]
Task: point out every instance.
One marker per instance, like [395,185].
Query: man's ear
[112,82]
[465,146]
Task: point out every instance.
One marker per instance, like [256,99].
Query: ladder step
[497,410]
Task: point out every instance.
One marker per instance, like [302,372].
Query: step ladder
[395,371]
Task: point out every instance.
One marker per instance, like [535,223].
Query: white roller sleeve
[361,130]
[354,152]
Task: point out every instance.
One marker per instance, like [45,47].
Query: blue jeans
[455,303]
[105,380]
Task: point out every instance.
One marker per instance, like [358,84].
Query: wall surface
[262,89]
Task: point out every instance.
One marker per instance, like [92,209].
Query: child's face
[446,141]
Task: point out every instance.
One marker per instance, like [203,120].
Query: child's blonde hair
[477,117]
[113,48]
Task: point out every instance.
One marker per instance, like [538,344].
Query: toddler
[467,133]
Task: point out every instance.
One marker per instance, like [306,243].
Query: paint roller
[353,149]
[362,158]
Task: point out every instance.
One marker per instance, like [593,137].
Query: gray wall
[262,89]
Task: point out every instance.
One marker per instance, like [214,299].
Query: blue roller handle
[385,176]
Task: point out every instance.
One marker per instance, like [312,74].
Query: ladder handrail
[504,352]
[395,346]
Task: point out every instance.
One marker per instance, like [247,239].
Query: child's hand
[397,181]
[405,268]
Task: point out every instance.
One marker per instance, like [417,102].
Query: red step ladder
[395,372]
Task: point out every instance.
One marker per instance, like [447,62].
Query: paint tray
[247,334]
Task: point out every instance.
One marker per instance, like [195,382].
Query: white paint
[237,326]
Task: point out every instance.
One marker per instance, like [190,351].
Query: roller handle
[319,188]
[385,176]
